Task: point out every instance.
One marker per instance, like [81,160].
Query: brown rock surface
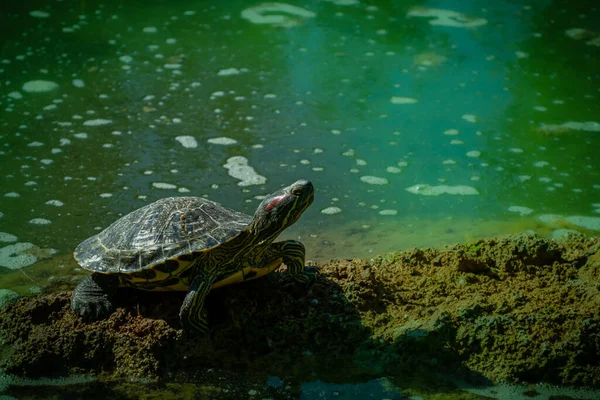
[518,308]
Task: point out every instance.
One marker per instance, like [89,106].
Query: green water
[365,89]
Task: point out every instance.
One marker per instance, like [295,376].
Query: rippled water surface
[418,125]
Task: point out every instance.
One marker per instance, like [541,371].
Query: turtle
[191,244]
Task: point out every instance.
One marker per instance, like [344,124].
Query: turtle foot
[91,298]
[309,275]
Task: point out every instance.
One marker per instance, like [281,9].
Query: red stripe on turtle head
[274,202]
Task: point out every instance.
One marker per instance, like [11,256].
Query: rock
[516,309]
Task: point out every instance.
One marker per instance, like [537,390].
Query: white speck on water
[126,59]
[105,195]
[456,141]
[545,179]
[388,212]
[172,66]
[56,203]
[46,161]
[148,172]
[35,144]
[393,170]
[428,190]
[222,140]
[30,183]
[81,135]
[39,14]
[305,162]
[39,86]
[336,131]
[12,194]
[515,150]
[7,237]
[183,190]
[451,132]
[97,122]
[149,97]
[238,168]
[521,54]
[40,221]
[360,162]
[50,107]
[189,142]
[473,153]
[541,164]
[469,118]
[524,178]
[520,209]
[446,17]
[171,41]
[270,96]
[15,95]
[403,100]
[228,72]
[448,162]
[331,210]
[276,14]
[78,83]
[189,12]
[540,108]
[162,185]
[11,256]
[150,29]
[589,126]
[374,180]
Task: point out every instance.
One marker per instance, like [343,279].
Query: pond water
[420,123]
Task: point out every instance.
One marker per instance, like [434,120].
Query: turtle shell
[168,229]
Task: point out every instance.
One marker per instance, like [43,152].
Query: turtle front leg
[294,254]
[91,299]
[193,315]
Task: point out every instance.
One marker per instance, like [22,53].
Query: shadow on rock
[259,324]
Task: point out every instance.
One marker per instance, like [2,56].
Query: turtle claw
[92,308]
[309,275]
[91,298]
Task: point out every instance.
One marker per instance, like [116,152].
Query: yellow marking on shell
[240,276]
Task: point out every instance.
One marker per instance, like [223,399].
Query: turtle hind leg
[91,299]
[294,254]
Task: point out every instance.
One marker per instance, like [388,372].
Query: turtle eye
[297,191]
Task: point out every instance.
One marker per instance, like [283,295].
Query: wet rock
[517,308]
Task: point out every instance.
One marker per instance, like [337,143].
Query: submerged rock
[518,308]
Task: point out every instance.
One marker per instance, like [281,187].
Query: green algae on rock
[516,308]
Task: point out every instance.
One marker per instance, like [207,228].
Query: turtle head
[282,208]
